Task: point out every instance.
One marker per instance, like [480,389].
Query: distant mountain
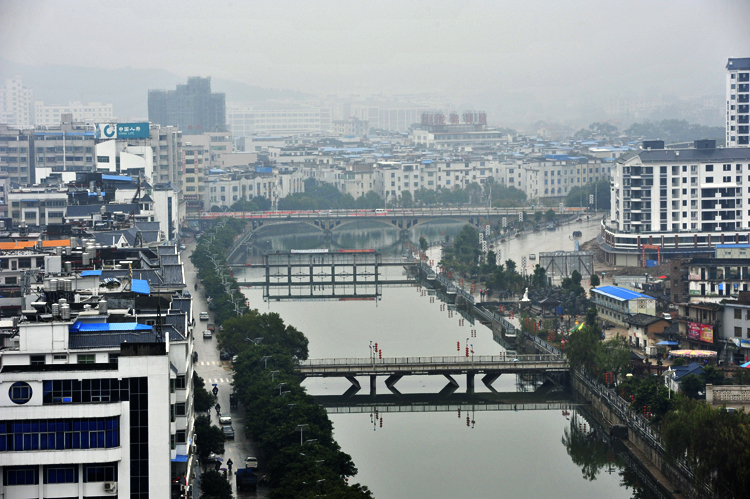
[126,88]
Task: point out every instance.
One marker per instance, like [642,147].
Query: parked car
[225,356]
[186,293]
[228,432]
[203,316]
[225,420]
[251,462]
[207,334]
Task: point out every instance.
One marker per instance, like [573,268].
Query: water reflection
[359,235]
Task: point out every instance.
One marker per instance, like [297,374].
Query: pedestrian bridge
[397,367]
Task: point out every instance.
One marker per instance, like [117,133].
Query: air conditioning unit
[110,487]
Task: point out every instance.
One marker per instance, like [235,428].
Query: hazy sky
[557,52]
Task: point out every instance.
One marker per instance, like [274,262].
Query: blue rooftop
[87,273]
[80,327]
[123,178]
[733,245]
[619,293]
[140,286]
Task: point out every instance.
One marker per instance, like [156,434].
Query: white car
[207,334]
[251,462]
[203,316]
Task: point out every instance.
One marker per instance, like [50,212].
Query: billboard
[122,131]
[701,332]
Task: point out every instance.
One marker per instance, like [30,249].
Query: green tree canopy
[210,439]
[215,486]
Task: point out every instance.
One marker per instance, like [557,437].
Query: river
[435,454]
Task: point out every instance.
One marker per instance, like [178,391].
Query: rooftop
[618,293]
[643,320]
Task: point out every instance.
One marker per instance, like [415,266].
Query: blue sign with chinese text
[132,131]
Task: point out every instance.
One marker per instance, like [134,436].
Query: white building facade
[93,112]
[738,102]
[16,103]
[678,201]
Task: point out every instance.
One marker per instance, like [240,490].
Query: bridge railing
[542,344]
[637,423]
[391,212]
[457,360]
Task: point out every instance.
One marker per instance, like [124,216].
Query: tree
[202,400]
[550,215]
[583,349]
[538,215]
[594,280]
[210,439]
[539,278]
[691,385]
[616,355]
[423,243]
[406,199]
[604,129]
[215,486]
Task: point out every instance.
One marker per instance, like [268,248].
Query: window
[11,280]
[180,409]
[61,474]
[737,332]
[20,392]
[59,434]
[21,475]
[737,313]
[181,436]
[709,168]
[86,358]
[104,472]
[38,360]
[179,382]
[60,356]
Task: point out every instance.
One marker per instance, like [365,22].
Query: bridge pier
[373,385]
[391,381]
[352,389]
[470,383]
[451,387]
[488,379]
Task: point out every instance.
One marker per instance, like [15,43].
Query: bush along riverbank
[294,433]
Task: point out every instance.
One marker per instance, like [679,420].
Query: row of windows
[59,434]
[29,475]
[85,391]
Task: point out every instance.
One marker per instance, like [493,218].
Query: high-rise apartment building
[676,202]
[15,103]
[16,155]
[738,102]
[192,108]
[93,112]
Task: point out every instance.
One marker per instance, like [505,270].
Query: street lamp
[301,429]
[279,386]
[311,440]
[273,373]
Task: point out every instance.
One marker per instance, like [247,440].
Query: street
[218,372]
